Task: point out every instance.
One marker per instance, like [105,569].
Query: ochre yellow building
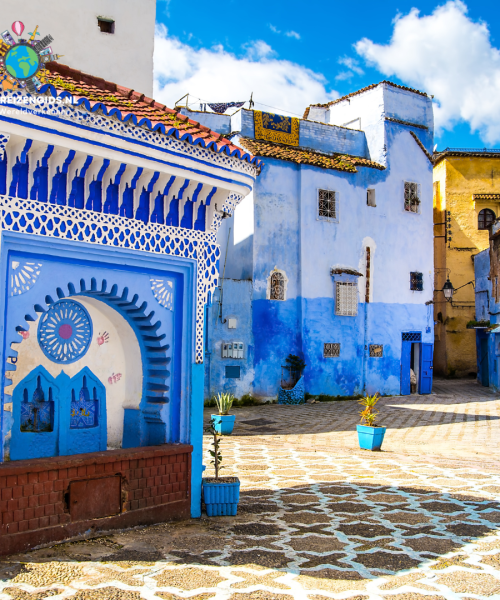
[466,199]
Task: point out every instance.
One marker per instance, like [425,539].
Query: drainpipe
[365,348]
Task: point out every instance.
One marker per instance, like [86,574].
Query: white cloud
[215,75]
[353,68]
[344,76]
[352,64]
[450,56]
[290,34]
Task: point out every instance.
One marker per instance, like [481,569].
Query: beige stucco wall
[456,180]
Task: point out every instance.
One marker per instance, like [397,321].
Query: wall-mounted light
[448,290]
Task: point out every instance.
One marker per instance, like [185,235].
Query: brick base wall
[50,499]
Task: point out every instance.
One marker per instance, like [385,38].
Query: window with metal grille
[412,197]
[376,350]
[412,336]
[331,350]
[416,282]
[327,205]
[277,286]
[485,218]
[346,299]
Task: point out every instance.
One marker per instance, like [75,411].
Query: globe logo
[22,62]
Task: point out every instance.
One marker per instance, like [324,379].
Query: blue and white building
[109,209]
[331,257]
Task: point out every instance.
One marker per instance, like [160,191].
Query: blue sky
[291,54]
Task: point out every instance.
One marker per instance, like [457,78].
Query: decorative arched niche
[277,284]
[113,355]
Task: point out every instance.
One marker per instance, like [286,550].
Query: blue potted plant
[220,494]
[224,422]
[370,436]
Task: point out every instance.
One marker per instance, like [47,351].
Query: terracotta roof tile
[495,197]
[365,89]
[96,93]
[338,162]
[466,153]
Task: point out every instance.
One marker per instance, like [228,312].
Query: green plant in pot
[224,422]
[220,494]
[370,434]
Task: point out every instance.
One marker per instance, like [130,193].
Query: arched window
[277,286]
[485,218]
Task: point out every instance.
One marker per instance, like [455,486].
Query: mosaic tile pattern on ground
[316,520]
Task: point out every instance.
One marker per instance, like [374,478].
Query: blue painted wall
[287,234]
[122,280]
[487,340]
[236,303]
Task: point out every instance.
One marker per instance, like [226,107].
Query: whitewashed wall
[125,57]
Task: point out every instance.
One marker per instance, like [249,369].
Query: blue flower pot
[223,424]
[370,438]
[221,499]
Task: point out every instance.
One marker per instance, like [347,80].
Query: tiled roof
[127,105]
[365,89]
[409,123]
[495,197]
[338,162]
[345,271]
[466,153]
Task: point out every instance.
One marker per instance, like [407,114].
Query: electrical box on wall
[237,350]
[231,323]
[232,349]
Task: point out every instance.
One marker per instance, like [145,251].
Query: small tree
[294,366]
[215,453]
[295,363]
[368,415]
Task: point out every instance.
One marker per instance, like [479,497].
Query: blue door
[484,362]
[426,368]
[405,368]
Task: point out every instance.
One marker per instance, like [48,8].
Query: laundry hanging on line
[221,107]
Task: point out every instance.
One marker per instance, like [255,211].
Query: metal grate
[368,269]
[277,286]
[327,205]
[412,336]
[376,350]
[232,372]
[412,196]
[416,282]
[346,299]
[331,350]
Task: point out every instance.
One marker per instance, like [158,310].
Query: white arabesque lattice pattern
[66,223]
[82,117]
[4,140]
[346,299]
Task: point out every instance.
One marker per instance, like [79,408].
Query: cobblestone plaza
[318,518]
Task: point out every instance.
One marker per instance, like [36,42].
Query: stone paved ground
[318,518]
